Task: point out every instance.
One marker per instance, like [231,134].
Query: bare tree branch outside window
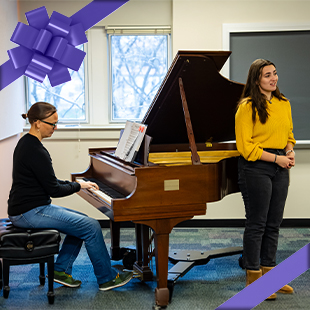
[139,64]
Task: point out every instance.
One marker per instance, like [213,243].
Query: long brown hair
[39,110]
[251,91]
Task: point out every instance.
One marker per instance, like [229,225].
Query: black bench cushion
[19,243]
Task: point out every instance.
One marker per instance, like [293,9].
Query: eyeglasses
[52,124]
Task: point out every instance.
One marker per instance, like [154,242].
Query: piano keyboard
[105,192]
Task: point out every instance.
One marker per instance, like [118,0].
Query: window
[138,64]
[69,98]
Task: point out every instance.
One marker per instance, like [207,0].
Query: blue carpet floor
[203,287]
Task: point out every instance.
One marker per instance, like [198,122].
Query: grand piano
[188,158]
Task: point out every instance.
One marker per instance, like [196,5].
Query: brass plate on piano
[184,158]
[171,185]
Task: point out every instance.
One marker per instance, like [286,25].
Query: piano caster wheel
[129,259]
[240,260]
[161,297]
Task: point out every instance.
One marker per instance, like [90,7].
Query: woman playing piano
[265,141]
[29,204]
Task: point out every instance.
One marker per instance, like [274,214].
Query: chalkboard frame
[233,33]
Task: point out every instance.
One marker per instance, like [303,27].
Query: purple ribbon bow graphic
[47,45]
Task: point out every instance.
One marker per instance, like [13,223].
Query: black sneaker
[121,279]
[65,279]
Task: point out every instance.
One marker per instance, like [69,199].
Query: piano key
[101,195]
[95,192]
[111,192]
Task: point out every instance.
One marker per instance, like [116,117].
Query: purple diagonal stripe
[94,12]
[8,74]
[271,282]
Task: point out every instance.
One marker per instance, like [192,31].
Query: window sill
[111,132]
[85,132]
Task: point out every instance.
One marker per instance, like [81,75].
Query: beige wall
[195,25]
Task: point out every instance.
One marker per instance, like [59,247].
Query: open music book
[130,141]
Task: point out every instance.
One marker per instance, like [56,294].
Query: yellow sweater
[276,133]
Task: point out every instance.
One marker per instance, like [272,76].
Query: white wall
[11,105]
[11,97]
[196,24]
[6,163]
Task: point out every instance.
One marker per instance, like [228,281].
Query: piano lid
[211,100]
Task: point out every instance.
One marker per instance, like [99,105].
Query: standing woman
[29,204]
[265,140]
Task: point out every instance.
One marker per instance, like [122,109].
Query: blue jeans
[78,227]
[264,188]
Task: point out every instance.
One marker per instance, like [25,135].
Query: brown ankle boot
[286,289]
[253,275]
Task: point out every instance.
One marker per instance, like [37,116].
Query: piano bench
[20,246]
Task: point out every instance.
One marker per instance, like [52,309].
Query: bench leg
[50,270]
[1,275]
[6,278]
[42,273]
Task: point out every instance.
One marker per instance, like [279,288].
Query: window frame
[97,86]
[127,31]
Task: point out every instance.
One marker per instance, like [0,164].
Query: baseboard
[288,223]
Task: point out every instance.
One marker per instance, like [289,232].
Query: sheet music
[130,141]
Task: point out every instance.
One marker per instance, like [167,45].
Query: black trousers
[264,188]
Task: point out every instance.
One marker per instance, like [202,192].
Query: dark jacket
[34,180]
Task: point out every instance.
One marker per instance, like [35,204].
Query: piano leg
[115,250]
[162,252]
[142,253]
[162,229]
